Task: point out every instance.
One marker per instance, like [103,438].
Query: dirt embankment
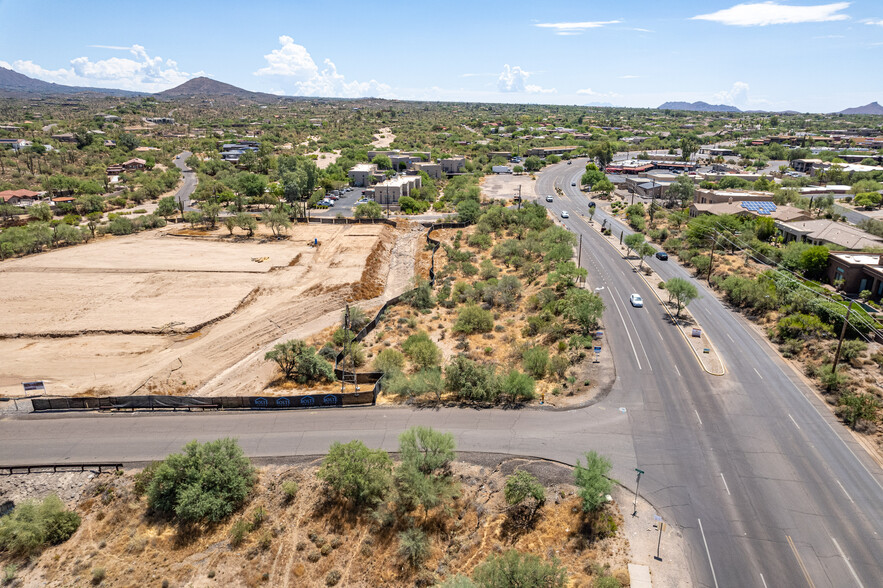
[303,541]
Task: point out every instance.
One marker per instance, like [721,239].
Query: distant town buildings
[392,190]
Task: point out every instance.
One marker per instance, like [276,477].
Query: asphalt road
[190,180]
[766,486]
[780,488]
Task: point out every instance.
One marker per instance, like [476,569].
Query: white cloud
[642,30]
[769,13]
[144,73]
[5,64]
[514,79]
[877,22]
[735,96]
[598,95]
[574,28]
[295,62]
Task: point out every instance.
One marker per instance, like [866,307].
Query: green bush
[853,407]
[535,360]
[480,241]
[520,569]
[851,349]
[592,481]
[422,350]
[300,362]
[428,381]
[831,380]
[518,386]
[356,473]
[413,546]
[801,326]
[8,574]
[205,483]
[388,361]
[34,525]
[471,380]
[473,319]
[239,531]
[558,365]
[521,486]
[289,489]
[98,575]
[121,226]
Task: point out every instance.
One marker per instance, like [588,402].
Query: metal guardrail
[59,467]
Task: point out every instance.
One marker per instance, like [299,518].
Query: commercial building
[453,165]
[781,214]
[392,190]
[544,151]
[361,173]
[433,170]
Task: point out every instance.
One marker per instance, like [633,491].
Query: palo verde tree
[356,473]
[424,476]
[299,361]
[682,292]
[592,481]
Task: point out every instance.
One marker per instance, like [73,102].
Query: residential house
[704,196]
[114,170]
[783,214]
[855,272]
[134,164]
[828,232]
[65,138]
[20,197]
[805,165]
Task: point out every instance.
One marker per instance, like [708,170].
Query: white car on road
[636,301]
[564,214]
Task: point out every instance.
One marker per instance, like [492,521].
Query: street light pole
[637,483]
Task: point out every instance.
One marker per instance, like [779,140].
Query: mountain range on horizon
[15,84]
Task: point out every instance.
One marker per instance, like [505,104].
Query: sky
[800,55]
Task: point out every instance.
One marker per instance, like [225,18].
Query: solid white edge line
[844,491]
[764,581]
[849,565]
[708,554]
[726,487]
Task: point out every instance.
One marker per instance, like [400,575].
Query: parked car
[564,214]
[573,183]
[662,255]
[548,199]
[362,200]
[636,301]
[569,162]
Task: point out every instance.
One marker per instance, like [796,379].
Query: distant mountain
[210,88]
[14,83]
[698,107]
[872,108]
[600,105]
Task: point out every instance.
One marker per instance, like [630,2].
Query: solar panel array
[760,207]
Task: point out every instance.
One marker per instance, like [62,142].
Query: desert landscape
[187,312]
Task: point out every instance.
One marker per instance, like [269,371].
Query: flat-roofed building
[783,214]
[828,232]
[433,170]
[855,272]
[453,165]
[393,189]
[545,151]
[360,174]
[717,196]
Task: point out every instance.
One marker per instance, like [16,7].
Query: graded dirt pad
[159,313]
[506,185]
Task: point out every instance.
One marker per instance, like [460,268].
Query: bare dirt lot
[506,185]
[167,314]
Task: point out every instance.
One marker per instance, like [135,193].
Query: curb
[676,322]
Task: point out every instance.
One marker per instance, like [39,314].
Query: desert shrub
[472,319]
[471,380]
[428,381]
[421,296]
[342,337]
[535,360]
[853,408]
[851,349]
[413,546]
[34,525]
[519,569]
[238,532]
[204,483]
[300,362]
[356,473]
[98,575]
[289,489]
[831,380]
[121,226]
[637,223]
[142,479]
[518,386]
[479,240]
[421,350]
[558,365]
[388,361]
[332,578]
[592,481]
[523,486]
[468,269]
[488,270]
[801,326]
[8,574]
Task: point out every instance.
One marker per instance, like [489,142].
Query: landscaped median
[692,331]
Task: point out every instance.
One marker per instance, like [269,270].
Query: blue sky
[805,55]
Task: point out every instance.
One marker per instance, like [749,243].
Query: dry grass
[302,540]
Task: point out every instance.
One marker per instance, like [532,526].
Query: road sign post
[637,483]
[597,354]
[659,541]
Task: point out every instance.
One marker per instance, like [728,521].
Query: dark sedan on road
[662,255]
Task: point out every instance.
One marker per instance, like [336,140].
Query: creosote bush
[34,525]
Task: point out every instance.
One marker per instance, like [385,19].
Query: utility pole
[346,326]
[842,335]
[711,258]
[579,254]
[519,196]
